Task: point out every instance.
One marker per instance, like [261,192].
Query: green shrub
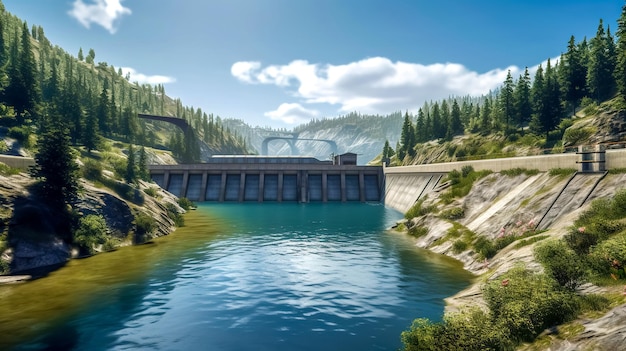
[185,203]
[173,213]
[418,231]
[91,232]
[8,170]
[461,185]
[562,263]
[472,329]
[418,210]
[518,171]
[453,213]
[459,246]
[484,247]
[21,134]
[525,303]
[92,169]
[610,256]
[144,226]
[151,191]
[530,241]
[466,171]
[561,172]
[574,136]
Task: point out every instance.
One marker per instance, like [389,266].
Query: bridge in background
[291,141]
[179,122]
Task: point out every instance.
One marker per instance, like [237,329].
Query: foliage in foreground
[91,233]
[521,305]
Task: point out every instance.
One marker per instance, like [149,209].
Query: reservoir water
[241,276]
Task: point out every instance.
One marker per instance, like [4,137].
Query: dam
[242,178]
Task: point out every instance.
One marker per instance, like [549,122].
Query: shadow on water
[35,315]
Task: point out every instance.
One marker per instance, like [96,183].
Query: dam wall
[315,182]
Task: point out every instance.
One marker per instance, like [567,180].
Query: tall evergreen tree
[485,117]
[407,136]
[620,69]
[574,74]
[537,100]
[439,129]
[91,137]
[507,102]
[55,166]
[523,105]
[600,79]
[131,174]
[142,165]
[455,127]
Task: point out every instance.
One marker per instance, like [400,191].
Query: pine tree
[439,130]
[90,57]
[407,136]
[523,105]
[103,112]
[81,57]
[142,166]
[420,127]
[507,102]
[600,79]
[91,137]
[485,117]
[131,174]
[620,69]
[55,166]
[574,74]
[455,127]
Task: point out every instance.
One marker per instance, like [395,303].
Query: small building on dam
[272,178]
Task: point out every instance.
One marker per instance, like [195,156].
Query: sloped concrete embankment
[403,190]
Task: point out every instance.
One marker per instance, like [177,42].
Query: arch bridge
[291,141]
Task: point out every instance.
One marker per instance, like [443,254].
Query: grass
[6,170]
[461,183]
[519,171]
[561,172]
[530,241]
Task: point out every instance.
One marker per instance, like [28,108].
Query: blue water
[249,276]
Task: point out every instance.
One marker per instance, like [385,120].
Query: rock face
[501,205]
[33,235]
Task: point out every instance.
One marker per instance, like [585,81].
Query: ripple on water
[288,277]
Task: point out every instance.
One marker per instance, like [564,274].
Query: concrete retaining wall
[17,162]
[404,185]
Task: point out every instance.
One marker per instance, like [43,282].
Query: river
[241,276]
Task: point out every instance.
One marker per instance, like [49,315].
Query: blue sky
[282,62]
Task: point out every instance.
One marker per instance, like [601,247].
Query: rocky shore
[33,236]
[500,205]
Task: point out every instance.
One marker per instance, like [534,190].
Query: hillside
[364,135]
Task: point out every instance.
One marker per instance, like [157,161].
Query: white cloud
[141,78]
[105,13]
[373,85]
[292,113]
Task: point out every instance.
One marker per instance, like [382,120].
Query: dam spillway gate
[270,179]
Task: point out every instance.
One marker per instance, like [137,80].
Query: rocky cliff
[33,235]
[536,206]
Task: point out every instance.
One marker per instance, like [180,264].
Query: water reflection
[271,276]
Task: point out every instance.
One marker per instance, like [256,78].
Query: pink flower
[505,282]
[519,223]
[581,229]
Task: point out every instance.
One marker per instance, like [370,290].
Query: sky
[280,63]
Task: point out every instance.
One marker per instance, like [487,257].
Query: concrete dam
[271,178]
